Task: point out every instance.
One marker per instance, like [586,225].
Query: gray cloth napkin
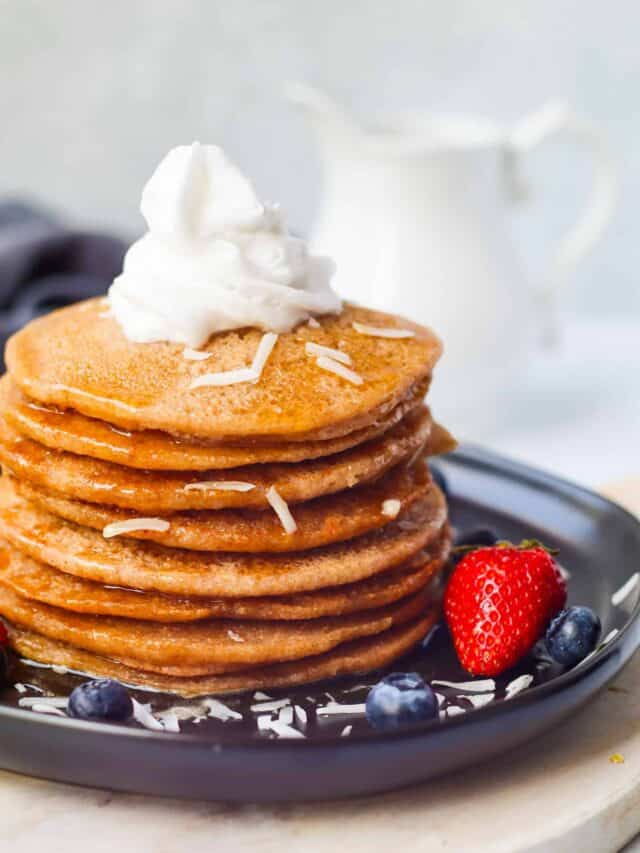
[46,265]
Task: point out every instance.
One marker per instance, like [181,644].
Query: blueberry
[398,699]
[481,536]
[102,699]
[572,635]
[439,479]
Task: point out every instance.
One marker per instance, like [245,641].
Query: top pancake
[78,358]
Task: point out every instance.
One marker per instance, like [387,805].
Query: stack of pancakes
[202,538]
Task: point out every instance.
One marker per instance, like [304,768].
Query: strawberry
[498,603]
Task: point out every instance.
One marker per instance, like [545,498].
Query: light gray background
[92,94]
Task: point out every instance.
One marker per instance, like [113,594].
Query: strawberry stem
[525,545]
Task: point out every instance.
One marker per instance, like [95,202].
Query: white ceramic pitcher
[414,211]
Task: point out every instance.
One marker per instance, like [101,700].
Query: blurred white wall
[93,93]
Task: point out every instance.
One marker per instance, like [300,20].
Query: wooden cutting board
[578,788]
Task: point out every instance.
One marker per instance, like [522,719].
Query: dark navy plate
[339,755]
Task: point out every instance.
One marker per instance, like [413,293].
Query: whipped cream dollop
[215,258]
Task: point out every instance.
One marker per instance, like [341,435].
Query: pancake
[208,647]
[323,521]
[154,450]
[354,657]
[35,581]
[85,553]
[149,492]
[78,358]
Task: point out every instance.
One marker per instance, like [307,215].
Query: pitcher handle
[556,118]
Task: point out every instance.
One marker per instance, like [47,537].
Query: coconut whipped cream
[215,258]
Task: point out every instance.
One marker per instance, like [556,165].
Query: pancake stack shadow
[197,565]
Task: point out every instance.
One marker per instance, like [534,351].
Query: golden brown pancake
[78,358]
[33,580]
[354,657]
[333,518]
[208,647]
[84,552]
[154,450]
[150,492]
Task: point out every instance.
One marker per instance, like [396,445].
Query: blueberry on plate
[399,699]
[102,699]
[481,536]
[572,635]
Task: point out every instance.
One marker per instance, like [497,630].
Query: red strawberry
[498,603]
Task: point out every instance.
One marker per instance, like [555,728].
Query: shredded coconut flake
[479,686]
[259,695]
[346,731]
[518,685]
[281,509]
[225,377]
[219,486]
[376,332]
[187,712]
[333,366]
[21,688]
[313,323]
[610,636]
[391,507]
[142,714]
[51,701]
[478,700]
[620,595]
[195,354]
[273,705]
[240,374]
[301,715]
[116,528]
[283,730]
[285,715]
[264,722]
[233,635]
[314,349]
[335,708]
[219,711]
[169,721]
[41,708]
[454,711]
[266,345]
